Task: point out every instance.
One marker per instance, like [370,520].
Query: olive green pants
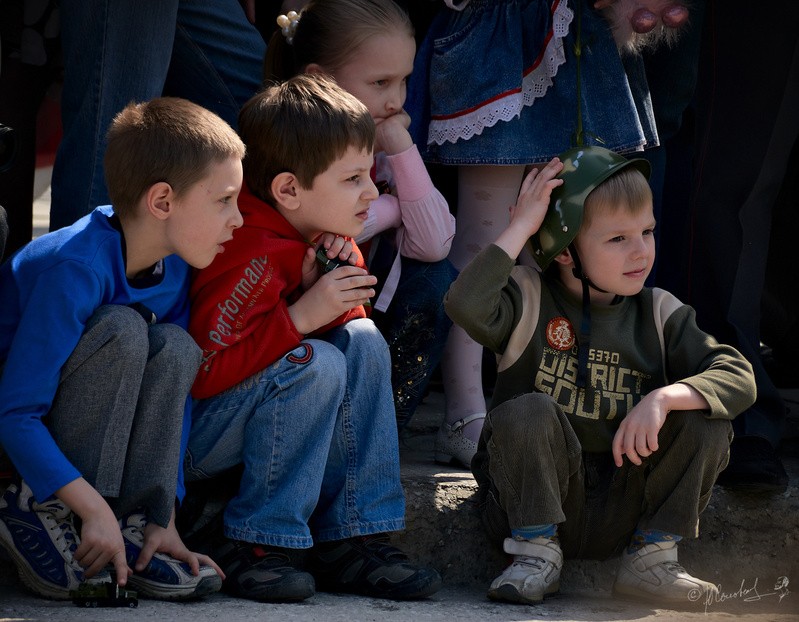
[532,471]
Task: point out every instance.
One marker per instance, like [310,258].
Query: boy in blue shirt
[97,365]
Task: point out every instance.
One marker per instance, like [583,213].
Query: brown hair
[301,126]
[166,139]
[628,190]
[329,32]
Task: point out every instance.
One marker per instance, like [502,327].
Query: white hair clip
[288,25]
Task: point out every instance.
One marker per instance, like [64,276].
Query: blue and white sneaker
[164,578]
[41,539]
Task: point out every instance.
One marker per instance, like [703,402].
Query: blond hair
[329,32]
[167,139]
[628,190]
[301,126]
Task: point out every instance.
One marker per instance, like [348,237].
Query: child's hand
[101,543]
[637,436]
[310,269]
[533,201]
[531,207]
[337,246]
[391,134]
[100,537]
[334,293]
[167,540]
[334,246]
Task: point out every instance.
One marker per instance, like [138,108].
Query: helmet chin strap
[578,272]
[584,343]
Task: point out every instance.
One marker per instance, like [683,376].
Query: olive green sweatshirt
[641,343]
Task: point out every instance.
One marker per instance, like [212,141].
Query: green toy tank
[107,594]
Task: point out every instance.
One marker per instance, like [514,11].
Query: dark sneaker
[41,539]
[370,566]
[264,573]
[164,578]
[754,467]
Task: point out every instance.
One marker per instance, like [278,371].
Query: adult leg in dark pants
[738,175]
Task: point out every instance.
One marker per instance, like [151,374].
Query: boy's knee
[171,341]
[528,419]
[319,359]
[363,336]
[122,328]
[692,426]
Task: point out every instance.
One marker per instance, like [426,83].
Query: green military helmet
[584,168]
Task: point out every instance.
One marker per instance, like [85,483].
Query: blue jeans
[117,52]
[315,432]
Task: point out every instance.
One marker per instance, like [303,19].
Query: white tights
[485,194]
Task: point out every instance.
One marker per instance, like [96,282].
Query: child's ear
[285,188]
[314,68]
[159,198]
[564,257]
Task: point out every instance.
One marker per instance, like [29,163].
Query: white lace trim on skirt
[534,85]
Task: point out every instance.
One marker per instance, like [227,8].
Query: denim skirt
[496,83]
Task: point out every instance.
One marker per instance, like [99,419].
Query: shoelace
[674,567]
[133,525]
[535,562]
[57,518]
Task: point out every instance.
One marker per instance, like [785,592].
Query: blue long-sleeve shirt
[48,292]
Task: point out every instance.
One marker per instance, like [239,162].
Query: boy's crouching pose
[97,364]
[296,382]
[611,410]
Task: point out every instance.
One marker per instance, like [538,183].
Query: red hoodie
[239,304]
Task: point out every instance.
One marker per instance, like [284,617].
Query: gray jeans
[532,471]
[118,412]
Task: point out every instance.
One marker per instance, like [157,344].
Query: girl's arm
[428,225]
[419,210]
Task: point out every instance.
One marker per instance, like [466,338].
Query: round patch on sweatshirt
[560,334]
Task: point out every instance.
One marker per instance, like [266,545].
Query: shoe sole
[160,591]
[448,460]
[509,594]
[292,590]
[755,488]
[638,596]
[422,588]
[27,575]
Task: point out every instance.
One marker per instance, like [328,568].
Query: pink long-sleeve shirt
[415,212]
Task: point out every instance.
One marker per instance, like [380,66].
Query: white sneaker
[534,573]
[41,539]
[452,446]
[652,573]
[164,577]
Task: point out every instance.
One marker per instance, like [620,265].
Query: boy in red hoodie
[296,381]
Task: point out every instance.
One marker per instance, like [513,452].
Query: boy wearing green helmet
[610,414]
